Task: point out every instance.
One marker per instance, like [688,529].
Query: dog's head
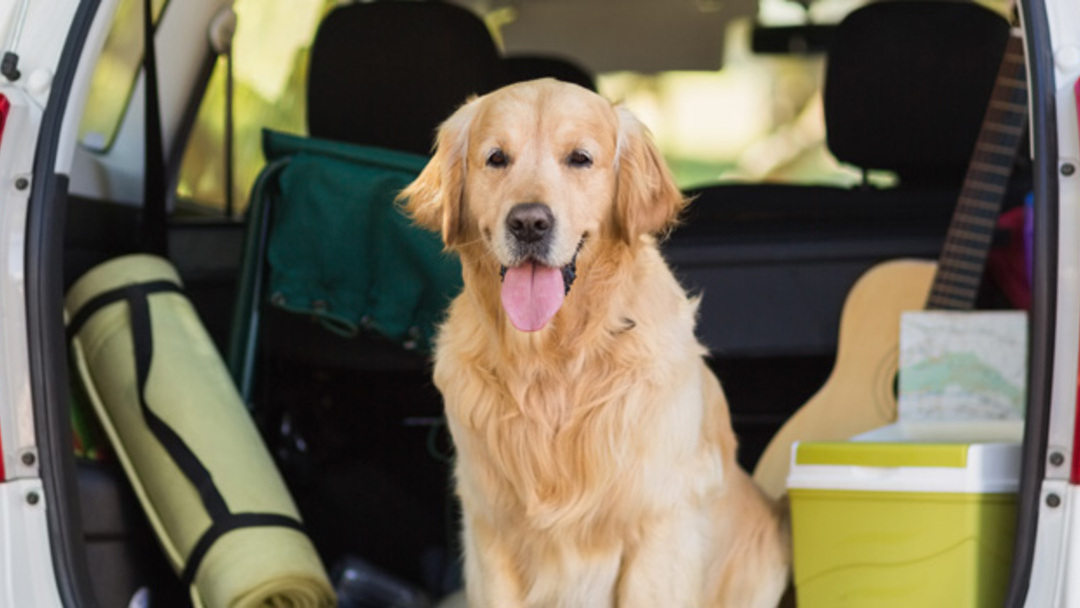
[534,172]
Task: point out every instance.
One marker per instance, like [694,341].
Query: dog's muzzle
[533,290]
[532,226]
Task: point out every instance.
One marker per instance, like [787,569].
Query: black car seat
[388,73]
[527,67]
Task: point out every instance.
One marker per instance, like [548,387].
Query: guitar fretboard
[967,242]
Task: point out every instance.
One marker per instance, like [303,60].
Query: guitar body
[859,394]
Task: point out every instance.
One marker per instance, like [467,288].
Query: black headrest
[907,85]
[388,73]
[528,67]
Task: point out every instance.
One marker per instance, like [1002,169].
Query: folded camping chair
[324,237]
[340,293]
[326,241]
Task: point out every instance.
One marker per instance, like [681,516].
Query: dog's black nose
[530,222]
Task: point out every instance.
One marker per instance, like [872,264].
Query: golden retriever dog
[595,456]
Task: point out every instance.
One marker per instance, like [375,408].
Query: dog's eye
[497,159]
[579,158]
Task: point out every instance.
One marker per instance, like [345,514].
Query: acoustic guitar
[858,395]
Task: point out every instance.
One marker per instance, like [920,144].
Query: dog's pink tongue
[531,294]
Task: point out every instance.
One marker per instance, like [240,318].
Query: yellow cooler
[902,524]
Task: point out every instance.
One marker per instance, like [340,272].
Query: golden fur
[595,457]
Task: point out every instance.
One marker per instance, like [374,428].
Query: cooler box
[902,524]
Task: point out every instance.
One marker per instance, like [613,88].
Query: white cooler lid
[883,461]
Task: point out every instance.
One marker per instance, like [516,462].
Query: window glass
[270,57]
[757,97]
[114,76]
[759,118]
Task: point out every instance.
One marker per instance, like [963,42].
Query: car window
[735,109]
[758,118]
[270,57]
[114,76]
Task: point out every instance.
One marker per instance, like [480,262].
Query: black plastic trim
[45,328]
[1044,300]
[791,40]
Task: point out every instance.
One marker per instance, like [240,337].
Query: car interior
[349,412]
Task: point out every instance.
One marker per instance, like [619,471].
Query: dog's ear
[647,200]
[436,198]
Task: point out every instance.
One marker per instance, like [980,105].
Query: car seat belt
[222,31]
[154,227]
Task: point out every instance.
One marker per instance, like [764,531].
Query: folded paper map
[963,370]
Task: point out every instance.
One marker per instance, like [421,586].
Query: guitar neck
[967,242]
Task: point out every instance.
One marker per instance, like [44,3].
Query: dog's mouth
[532,292]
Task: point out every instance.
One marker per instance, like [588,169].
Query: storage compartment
[901,524]
[122,554]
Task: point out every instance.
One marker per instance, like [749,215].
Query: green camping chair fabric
[325,239]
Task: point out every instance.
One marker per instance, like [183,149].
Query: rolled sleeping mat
[205,478]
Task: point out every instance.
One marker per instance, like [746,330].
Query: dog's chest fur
[574,455]
[566,437]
